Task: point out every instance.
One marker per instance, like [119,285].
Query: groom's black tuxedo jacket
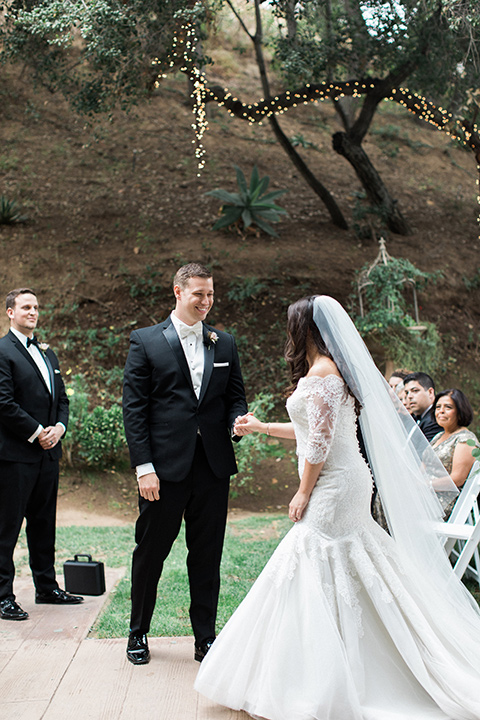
[162,414]
[25,402]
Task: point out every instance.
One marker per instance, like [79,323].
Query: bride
[346,622]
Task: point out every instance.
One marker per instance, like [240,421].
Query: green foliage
[368,220]
[385,294]
[414,349]
[116,42]
[10,212]
[245,288]
[147,284]
[299,141]
[252,449]
[475,450]
[472,283]
[95,437]
[252,205]
[388,322]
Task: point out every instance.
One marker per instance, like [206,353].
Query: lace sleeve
[324,397]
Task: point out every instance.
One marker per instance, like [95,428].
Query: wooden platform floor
[51,670]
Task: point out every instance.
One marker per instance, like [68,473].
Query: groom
[183,390]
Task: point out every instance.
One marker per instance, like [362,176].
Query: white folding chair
[461,532]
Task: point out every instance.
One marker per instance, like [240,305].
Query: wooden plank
[101,683]
[23,710]
[35,670]
[49,621]
[94,685]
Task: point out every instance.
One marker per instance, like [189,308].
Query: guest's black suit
[28,474]
[188,440]
[428,425]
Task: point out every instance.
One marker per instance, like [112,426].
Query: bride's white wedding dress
[333,629]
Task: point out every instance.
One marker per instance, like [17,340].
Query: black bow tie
[32,341]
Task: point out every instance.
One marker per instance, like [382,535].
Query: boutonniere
[43,346]
[212,337]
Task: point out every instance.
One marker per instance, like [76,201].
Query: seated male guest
[419,396]
[33,419]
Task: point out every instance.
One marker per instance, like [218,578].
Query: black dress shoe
[137,649]
[202,649]
[10,610]
[57,597]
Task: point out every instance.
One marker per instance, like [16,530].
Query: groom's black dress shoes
[57,597]
[202,649]
[10,610]
[137,649]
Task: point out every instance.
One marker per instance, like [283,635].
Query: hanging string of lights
[185,41]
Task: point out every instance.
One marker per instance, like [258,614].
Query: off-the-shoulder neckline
[321,377]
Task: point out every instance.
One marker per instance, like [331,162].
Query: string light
[184,43]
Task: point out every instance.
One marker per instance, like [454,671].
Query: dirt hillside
[112,214]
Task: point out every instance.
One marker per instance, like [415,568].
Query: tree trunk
[371,181]
[317,187]
[335,213]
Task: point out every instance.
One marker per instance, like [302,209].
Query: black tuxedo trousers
[28,490]
[202,499]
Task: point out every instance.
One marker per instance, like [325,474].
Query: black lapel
[21,348]
[174,341]
[50,372]
[209,356]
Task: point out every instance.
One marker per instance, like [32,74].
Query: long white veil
[405,470]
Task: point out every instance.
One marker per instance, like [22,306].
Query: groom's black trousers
[202,498]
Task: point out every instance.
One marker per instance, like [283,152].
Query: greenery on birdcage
[387,318]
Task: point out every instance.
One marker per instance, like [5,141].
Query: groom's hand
[149,486]
[239,421]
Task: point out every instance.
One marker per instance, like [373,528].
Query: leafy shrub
[254,448]
[475,449]
[94,437]
[245,288]
[101,437]
[251,205]
[388,322]
[472,283]
[10,212]
[411,349]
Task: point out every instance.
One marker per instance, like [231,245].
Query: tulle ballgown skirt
[333,630]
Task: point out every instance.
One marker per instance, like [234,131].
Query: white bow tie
[186,330]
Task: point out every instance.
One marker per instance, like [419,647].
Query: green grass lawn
[248,545]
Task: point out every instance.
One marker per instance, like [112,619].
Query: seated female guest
[454,413]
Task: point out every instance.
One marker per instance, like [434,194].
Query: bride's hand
[297,506]
[246,424]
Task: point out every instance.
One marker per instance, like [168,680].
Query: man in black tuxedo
[33,418]
[183,390]
[419,396]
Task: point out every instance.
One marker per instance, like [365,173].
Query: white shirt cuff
[35,434]
[144,469]
[63,426]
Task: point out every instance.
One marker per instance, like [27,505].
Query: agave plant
[251,205]
[10,212]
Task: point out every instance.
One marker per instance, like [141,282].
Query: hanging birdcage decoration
[391,300]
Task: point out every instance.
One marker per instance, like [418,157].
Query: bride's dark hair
[300,328]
